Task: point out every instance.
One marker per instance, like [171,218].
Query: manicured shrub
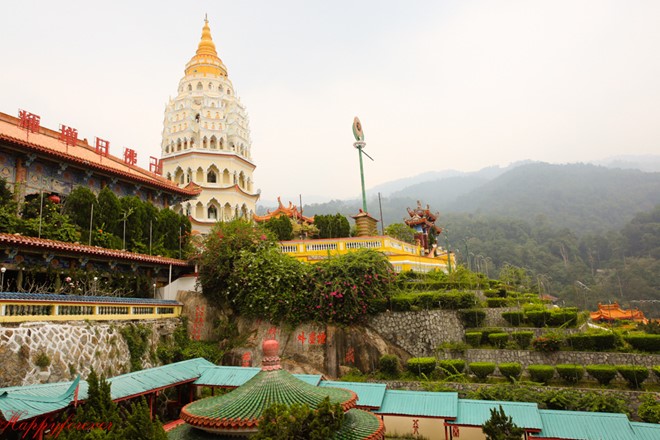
[514,318]
[482,369]
[456,300]
[497,302]
[523,338]
[604,340]
[428,300]
[378,305]
[602,373]
[541,373]
[493,293]
[511,370]
[389,364]
[547,343]
[537,318]
[452,366]
[581,341]
[644,342]
[472,317]
[421,365]
[473,338]
[401,303]
[498,340]
[633,374]
[562,317]
[486,331]
[570,372]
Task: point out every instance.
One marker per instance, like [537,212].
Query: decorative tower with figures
[206,141]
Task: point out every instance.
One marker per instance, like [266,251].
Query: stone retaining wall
[419,333]
[72,348]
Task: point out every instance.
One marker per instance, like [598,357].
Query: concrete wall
[430,428]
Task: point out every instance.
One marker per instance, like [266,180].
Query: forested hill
[582,198]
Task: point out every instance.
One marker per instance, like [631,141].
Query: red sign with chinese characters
[247,359]
[155,165]
[68,135]
[102,147]
[28,121]
[130,156]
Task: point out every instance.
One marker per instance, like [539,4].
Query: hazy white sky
[437,84]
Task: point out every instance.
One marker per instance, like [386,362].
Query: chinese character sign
[28,121]
[68,135]
[247,359]
[312,338]
[415,427]
[155,165]
[350,356]
[102,147]
[130,156]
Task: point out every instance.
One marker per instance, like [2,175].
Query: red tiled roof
[610,312]
[47,142]
[291,211]
[61,246]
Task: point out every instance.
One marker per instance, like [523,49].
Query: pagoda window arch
[244,211]
[205,142]
[221,144]
[210,86]
[241,180]
[226,177]
[169,176]
[192,142]
[227,211]
[212,213]
[200,175]
[188,209]
[190,87]
[213,105]
[178,144]
[199,210]
[188,175]
[212,174]
[200,86]
[214,143]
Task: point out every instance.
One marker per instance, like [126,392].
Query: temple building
[614,312]
[422,221]
[206,142]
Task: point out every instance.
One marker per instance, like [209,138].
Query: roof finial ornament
[206,17]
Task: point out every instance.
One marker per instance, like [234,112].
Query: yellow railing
[403,256]
[44,310]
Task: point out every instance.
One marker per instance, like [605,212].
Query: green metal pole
[448,254]
[364,196]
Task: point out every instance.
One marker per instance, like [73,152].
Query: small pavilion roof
[577,425]
[231,377]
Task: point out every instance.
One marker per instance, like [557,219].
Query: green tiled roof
[21,403]
[574,425]
[249,401]
[646,431]
[221,376]
[369,394]
[419,403]
[358,425]
[477,412]
[187,432]
[227,376]
[143,381]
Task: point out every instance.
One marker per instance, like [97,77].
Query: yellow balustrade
[30,310]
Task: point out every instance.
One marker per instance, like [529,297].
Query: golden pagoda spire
[206,58]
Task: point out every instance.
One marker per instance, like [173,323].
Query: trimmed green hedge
[473,338]
[541,373]
[511,370]
[559,317]
[497,302]
[482,369]
[498,340]
[633,374]
[389,364]
[537,318]
[644,342]
[656,371]
[571,373]
[597,341]
[486,331]
[452,300]
[452,366]
[515,318]
[602,373]
[421,365]
[523,338]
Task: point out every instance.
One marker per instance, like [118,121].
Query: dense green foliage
[136,337]
[473,339]
[571,373]
[501,427]
[281,227]
[389,364]
[523,338]
[566,399]
[644,342]
[401,231]
[421,365]
[498,340]
[635,375]
[299,422]
[649,410]
[510,370]
[451,367]
[332,226]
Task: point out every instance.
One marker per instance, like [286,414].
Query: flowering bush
[547,343]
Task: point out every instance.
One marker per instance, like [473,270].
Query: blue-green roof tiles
[477,412]
[419,403]
[370,395]
[576,425]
